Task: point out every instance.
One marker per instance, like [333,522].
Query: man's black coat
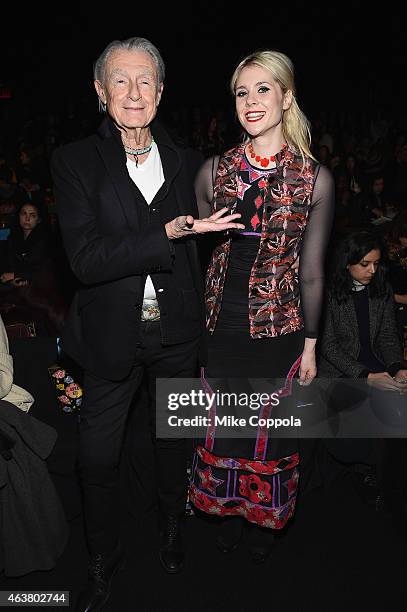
[114,240]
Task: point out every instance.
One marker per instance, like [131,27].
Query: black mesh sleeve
[204,183]
[312,255]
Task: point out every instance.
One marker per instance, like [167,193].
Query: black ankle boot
[230,534]
[172,553]
[261,542]
[101,571]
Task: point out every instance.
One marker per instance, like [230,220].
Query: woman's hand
[6,277]
[384,382]
[401,377]
[186,225]
[19,282]
[308,367]
[378,212]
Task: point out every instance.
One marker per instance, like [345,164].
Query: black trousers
[102,426]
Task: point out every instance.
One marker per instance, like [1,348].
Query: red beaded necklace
[264,161]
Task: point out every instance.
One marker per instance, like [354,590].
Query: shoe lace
[97,567]
[379,503]
[370,480]
[172,528]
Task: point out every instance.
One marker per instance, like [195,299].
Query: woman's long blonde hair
[296,127]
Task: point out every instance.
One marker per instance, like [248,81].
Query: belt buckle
[150,311]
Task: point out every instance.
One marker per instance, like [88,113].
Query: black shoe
[172,554]
[367,488]
[230,534]
[261,544]
[101,571]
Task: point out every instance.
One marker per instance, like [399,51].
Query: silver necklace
[137,152]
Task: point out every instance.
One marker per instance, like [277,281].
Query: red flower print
[292,484]
[256,515]
[63,399]
[208,480]
[199,499]
[256,489]
[59,374]
[73,390]
[258,201]
[255,221]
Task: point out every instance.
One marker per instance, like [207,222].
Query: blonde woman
[262,311]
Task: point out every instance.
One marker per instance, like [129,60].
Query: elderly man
[128,218]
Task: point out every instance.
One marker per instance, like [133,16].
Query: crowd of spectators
[366,154]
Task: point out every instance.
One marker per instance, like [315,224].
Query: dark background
[349,57]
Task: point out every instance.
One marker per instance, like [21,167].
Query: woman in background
[397,249]
[30,280]
[28,246]
[360,339]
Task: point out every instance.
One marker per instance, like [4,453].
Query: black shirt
[366,355]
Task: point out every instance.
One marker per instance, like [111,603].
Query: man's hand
[19,282]
[185,225]
[384,382]
[7,276]
[401,377]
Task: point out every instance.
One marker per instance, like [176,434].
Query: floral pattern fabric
[68,392]
[263,492]
[273,292]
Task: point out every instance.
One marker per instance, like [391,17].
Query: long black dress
[234,357]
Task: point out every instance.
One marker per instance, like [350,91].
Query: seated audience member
[9,392]
[28,246]
[348,212]
[7,218]
[32,191]
[397,250]
[376,199]
[29,279]
[33,165]
[360,339]
[324,155]
[396,174]
[33,528]
[11,197]
[353,175]
[6,170]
